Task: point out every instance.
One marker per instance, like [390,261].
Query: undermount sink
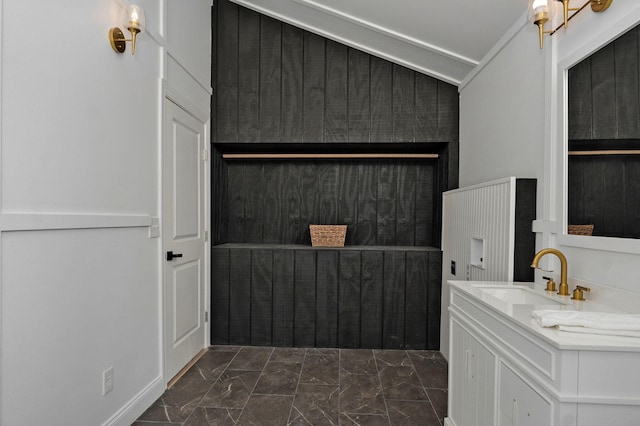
[517,295]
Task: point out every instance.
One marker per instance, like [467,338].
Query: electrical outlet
[107,381]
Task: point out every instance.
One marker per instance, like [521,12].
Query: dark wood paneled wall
[349,298]
[277,83]
[604,114]
[604,92]
[280,87]
[383,202]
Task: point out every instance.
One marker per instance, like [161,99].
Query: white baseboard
[138,404]
[448,422]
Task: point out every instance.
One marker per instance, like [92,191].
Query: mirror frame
[580,41]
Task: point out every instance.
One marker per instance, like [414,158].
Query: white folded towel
[590,322]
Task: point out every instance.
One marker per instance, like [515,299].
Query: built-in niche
[381,290]
[307,130]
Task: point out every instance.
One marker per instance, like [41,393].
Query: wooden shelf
[258,246]
[323,156]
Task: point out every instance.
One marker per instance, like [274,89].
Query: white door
[183,237]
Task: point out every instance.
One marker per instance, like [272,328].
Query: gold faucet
[563,290]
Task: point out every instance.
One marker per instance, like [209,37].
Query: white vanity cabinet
[505,370]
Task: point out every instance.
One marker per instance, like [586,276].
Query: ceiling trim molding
[439,73]
[495,50]
[388,32]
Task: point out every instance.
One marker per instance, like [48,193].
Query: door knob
[171,255]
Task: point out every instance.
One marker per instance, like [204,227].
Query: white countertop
[521,315]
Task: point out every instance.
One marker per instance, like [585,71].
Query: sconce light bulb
[135,18]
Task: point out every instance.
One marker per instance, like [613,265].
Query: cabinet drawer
[519,403]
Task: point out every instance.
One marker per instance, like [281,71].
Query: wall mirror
[603,181]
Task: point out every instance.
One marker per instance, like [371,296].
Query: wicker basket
[328,235]
[580,229]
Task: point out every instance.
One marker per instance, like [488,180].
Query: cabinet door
[472,384]
[519,404]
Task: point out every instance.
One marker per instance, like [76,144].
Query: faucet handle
[578,293]
[551,284]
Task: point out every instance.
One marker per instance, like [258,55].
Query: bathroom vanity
[505,369]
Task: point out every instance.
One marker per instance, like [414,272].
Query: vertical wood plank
[603,83]
[381,100]
[240,297]
[348,200]
[426,108]
[327,299]
[524,239]
[416,300]
[313,87]
[292,229]
[336,127]
[309,209]
[254,203]
[328,194]
[220,286]
[236,201]
[627,81]
[349,299]
[393,320]
[386,208]
[359,91]
[219,197]
[273,201]
[575,198]
[227,73]
[614,197]
[248,75]
[580,104]
[594,196]
[448,112]
[371,299]
[270,79]
[425,209]
[434,293]
[283,297]
[261,296]
[403,104]
[366,231]
[292,83]
[406,204]
[304,331]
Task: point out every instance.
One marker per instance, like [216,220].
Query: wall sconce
[541,11]
[134,22]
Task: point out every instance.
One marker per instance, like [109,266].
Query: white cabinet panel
[472,383]
[518,403]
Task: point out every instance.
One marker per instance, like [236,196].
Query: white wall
[80,284]
[513,123]
[502,113]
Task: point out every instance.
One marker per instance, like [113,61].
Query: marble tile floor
[247,385]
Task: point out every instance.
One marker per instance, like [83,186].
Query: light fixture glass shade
[134,18]
[541,11]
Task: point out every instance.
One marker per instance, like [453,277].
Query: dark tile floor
[293,386]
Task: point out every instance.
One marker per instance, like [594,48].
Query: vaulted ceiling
[445,39]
